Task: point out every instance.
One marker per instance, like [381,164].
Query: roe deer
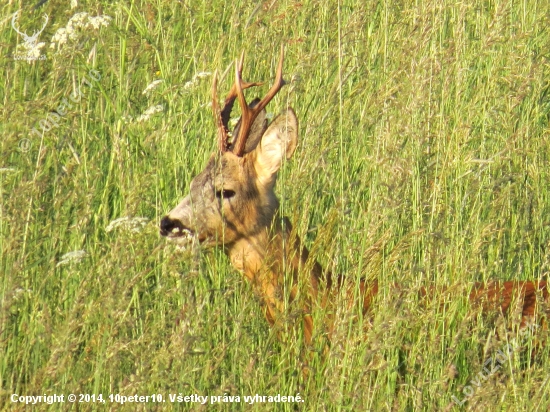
[231,204]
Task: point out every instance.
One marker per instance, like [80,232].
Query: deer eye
[225,194]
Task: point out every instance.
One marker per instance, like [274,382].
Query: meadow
[422,160]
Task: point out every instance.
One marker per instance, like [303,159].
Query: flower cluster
[152,86]
[7,170]
[72,257]
[149,112]
[134,225]
[29,52]
[78,21]
[195,80]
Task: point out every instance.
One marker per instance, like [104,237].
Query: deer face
[233,197]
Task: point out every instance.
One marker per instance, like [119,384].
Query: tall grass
[423,160]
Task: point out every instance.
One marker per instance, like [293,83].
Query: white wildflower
[202,75]
[152,86]
[74,256]
[7,170]
[132,224]
[34,53]
[188,85]
[195,79]
[19,292]
[74,4]
[60,37]
[99,21]
[79,21]
[127,119]
[29,52]
[149,112]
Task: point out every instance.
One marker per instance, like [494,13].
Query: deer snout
[171,227]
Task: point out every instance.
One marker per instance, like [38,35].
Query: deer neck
[275,262]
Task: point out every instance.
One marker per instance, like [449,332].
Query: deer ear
[278,141]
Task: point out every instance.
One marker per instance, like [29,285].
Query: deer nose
[168,226]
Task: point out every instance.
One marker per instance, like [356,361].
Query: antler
[36,33]
[13,24]
[249,114]
[222,117]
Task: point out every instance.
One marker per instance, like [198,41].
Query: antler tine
[222,131]
[249,115]
[240,140]
[232,95]
[14,17]
[45,16]
[277,84]
[222,116]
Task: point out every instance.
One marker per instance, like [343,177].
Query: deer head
[29,40]
[232,199]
